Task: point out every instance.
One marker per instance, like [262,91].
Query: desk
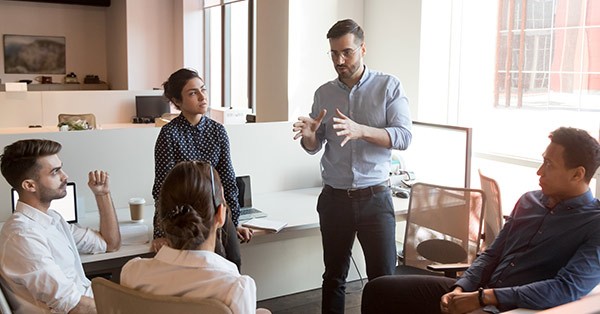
[294,253]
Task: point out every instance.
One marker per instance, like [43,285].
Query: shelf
[62,87]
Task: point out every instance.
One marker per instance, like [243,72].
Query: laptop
[247,212]
[66,206]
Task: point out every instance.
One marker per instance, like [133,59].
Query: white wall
[84,28]
[309,66]
[116,44]
[271,60]
[151,37]
[193,27]
[393,40]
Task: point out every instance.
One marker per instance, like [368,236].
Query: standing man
[360,117]
[39,251]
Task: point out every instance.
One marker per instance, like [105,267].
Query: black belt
[356,193]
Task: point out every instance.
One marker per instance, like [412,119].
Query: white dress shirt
[39,260]
[195,274]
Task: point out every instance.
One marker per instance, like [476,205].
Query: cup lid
[137,200]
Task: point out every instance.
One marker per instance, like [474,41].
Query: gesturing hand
[98,182]
[306,126]
[348,128]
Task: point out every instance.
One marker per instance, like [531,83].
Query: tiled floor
[309,302]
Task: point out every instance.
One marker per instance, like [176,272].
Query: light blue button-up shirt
[377,100]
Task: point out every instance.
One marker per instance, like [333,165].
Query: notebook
[247,212]
[66,206]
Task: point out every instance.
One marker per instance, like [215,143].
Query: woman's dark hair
[581,149]
[188,200]
[344,27]
[19,160]
[174,85]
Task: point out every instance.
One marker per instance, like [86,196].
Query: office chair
[78,121]
[443,230]
[4,306]
[112,298]
[493,219]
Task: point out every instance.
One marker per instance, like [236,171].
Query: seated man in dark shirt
[547,254]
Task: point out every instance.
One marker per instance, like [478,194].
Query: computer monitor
[151,106]
[66,206]
[439,154]
[245,191]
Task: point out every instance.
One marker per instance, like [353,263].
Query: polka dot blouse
[208,141]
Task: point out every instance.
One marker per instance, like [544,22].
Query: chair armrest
[449,270]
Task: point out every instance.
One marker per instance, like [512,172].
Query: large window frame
[546,54]
[220,34]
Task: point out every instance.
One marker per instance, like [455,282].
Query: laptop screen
[245,191]
[66,206]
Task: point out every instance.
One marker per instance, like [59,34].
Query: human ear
[220,215]
[28,185]
[579,174]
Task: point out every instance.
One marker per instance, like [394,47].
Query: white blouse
[195,274]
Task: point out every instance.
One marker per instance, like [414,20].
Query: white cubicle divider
[266,151]
[274,161]
[126,153]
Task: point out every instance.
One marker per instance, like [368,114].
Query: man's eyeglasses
[346,53]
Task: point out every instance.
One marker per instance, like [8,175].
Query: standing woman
[194,136]
[192,210]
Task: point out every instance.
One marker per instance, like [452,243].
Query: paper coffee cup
[136,209]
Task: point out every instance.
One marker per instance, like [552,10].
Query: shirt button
[552,212]
[540,232]
[512,264]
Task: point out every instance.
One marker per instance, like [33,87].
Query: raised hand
[348,128]
[306,126]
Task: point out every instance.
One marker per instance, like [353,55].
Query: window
[228,52]
[475,71]
[548,54]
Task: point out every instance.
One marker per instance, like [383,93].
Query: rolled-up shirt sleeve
[398,116]
[88,241]
[32,265]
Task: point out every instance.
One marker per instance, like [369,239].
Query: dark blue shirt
[179,140]
[542,257]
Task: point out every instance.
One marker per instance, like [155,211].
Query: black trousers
[411,294]
[370,218]
[230,243]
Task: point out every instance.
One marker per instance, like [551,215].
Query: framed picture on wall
[34,54]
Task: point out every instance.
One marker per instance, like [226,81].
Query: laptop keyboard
[249,211]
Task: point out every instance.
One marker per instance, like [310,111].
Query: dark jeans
[414,294]
[371,219]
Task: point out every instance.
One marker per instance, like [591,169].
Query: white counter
[281,263]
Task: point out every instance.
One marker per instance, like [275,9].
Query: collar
[363,78]
[576,202]
[182,120]
[193,258]
[36,215]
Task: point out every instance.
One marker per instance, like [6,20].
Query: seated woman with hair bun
[192,211]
